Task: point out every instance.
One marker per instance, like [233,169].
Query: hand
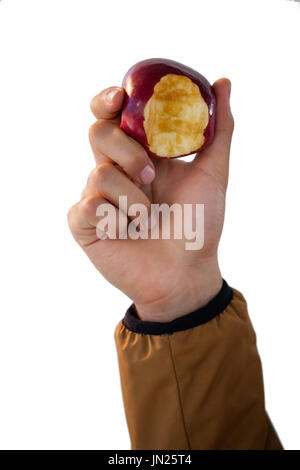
[163,278]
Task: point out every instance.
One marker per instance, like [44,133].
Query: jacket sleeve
[196,382]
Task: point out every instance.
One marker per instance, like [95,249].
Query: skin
[164,280]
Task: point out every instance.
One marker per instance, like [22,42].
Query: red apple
[169,108]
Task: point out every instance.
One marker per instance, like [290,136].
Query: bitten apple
[169,108]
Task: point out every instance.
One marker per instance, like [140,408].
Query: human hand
[164,280]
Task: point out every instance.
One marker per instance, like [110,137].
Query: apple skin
[139,83]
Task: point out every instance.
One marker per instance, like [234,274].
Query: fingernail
[147,174]
[111,94]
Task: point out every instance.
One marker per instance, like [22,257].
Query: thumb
[220,148]
[215,158]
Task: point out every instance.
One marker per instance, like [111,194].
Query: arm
[188,381]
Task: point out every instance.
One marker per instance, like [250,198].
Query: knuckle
[85,192]
[92,131]
[98,129]
[70,216]
[92,177]
[231,122]
[103,173]
[98,179]
[94,103]
[86,206]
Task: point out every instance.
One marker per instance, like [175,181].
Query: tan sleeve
[195,383]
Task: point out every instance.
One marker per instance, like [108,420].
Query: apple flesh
[169,108]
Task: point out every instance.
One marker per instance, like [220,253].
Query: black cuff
[203,315]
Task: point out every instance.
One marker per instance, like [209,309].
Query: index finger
[108,103]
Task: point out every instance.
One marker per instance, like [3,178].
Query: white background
[58,366]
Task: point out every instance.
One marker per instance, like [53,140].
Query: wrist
[198,286]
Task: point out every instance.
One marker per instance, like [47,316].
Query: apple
[169,108]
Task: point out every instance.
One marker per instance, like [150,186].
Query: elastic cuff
[203,315]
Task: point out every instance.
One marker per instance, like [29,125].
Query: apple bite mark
[175,117]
